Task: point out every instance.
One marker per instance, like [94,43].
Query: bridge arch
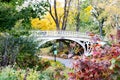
[82,44]
[44,36]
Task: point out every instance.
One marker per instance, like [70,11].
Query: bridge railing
[58,33]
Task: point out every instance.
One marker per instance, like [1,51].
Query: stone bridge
[44,36]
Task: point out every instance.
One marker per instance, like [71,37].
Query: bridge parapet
[39,33]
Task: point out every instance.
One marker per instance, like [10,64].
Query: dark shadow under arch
[72,40]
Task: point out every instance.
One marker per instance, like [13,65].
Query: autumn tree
[107,13]
[57,14]
[67,4]
[47,22]
[75,13]
[113,21]
[80,18]
[28,9]
[99,13]
[78,15]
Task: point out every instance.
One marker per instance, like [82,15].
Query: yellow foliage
[88,9]
[71,17]
[35,23]
[43,24]
[86,14]
[47,22]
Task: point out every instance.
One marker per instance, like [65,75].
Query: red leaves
[72,76]
[86,69]
[97,66]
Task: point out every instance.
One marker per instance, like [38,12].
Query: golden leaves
[43,24]
[86,13]
[47,22]
[88,9]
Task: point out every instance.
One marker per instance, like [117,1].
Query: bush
[8,74]
[86,69]
[8,49]
[54,72]
[7,16]
[102,64]
[27,53]
[16,47]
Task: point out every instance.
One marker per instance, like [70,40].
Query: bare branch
[66,14]
[65,6]
[56,16]
[50,10]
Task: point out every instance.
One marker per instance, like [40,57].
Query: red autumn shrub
[97,66]
[86,69]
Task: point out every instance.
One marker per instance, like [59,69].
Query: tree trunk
[118,35]
[66,13]
[57,26]
[77,22]
[61,45]
[78,16]
[56,16]
[100,29]
[5,60]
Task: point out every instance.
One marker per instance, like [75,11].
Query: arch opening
[69,46]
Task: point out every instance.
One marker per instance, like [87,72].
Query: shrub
[103,64]
[8,49]
[86,69]
[8,74]
[27,53]
[54,72]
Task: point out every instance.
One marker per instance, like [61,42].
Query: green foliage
[18,33]
[47,73]
[54,72]
[85,4]
[56,64]
[5,0]
[47,44]
[17,45]
[33,10]
[32,75]
[115,66]
[7,16]
[27,45]
[27,53]
[8,49]
[25,16]
[25,60]
[8,74]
